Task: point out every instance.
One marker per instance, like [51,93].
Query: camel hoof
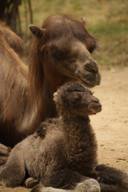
[3,160]
[37,188]
[30,182]
[88,185]
[4,150]
[4,153]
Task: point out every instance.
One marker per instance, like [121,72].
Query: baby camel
[62,152]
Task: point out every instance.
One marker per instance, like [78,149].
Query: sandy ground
[111,125]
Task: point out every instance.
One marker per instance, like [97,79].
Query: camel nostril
[94,65]
[95,106]
[91,66]
[95,100]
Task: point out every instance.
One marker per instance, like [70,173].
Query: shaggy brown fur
[13,94]
[60,53]
[66,154]
[62,152]
[111,179]
[54,63]
[12,38]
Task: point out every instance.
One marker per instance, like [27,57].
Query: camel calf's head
[74,98]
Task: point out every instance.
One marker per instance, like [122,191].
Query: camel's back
[11,38]
[44,154]
[13,92]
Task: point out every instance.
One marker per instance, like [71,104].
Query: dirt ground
[111,125]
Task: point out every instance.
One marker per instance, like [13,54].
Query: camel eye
[92,49]
[58,54]
[76,88]
[62,54]
[72,60]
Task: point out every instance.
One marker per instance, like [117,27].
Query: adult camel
[12,38]
[61,52]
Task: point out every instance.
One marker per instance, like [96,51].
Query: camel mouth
[94,108]
[86,82]
[83,81]
[90,80]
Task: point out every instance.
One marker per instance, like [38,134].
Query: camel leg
[30,182]
[41,188]
[3,159]
[112,179]
[108,188]
[13,172]
[88,185]
[4,152]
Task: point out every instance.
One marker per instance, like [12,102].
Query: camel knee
[88,185]
[41,188]
[30,182]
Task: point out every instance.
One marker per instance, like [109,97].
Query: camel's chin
[87,83]
[93,111]
[91,80]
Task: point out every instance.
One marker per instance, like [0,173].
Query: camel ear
[55,94]
[83,20]
[37,31]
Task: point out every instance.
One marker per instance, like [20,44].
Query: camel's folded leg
[3,159]
[41,188]
[13,172]
[30,182]
[108,188]
[87,185]
[112,179]
[4,152]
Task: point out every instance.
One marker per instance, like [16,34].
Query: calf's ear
[38,32]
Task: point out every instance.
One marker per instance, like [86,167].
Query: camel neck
[43,107]
[69,118]
[80,144]
[75,125]
[47,107]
